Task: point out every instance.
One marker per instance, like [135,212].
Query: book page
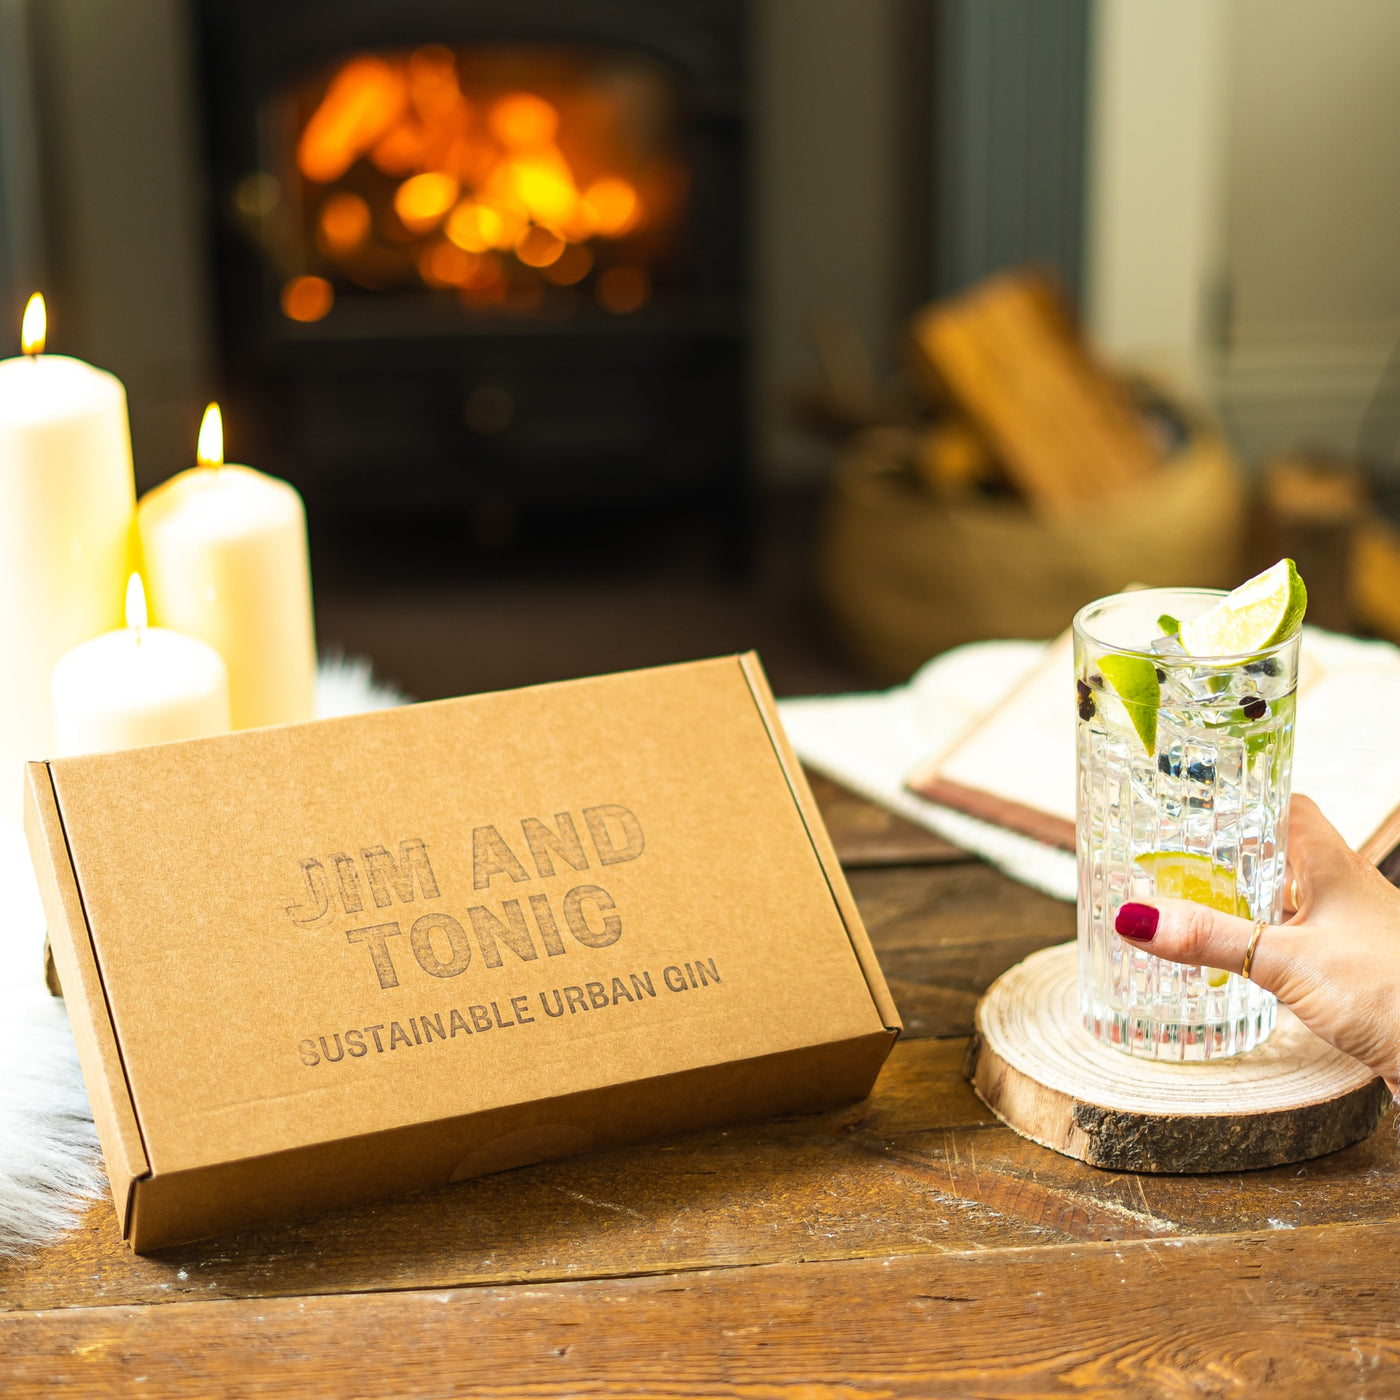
[1347,748]
[1346,745]
[1022,753]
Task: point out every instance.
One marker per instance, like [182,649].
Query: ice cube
[1191,686]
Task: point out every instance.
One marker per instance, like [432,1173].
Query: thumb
[1183,932]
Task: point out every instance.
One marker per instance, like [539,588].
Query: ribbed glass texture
[1202,813]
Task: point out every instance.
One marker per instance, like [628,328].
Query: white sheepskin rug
[49,1160]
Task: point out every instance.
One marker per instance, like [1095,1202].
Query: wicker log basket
[906,574]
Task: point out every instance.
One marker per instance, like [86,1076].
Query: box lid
[311,933]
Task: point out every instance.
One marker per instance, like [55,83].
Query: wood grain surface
[905,1245]
[944,936]
[1310,1312]
[867,835]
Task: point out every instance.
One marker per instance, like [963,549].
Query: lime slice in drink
[1135,680]
[1265,610]
[1181,875]
[1169,625]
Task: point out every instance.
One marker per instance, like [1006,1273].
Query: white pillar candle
[138,685]
[67,499]
[225,558]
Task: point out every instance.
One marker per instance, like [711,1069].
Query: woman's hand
[1335,963]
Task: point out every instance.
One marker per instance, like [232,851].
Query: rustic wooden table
[907,1245]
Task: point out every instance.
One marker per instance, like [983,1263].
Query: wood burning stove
[474,251]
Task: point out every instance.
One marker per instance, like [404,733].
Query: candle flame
[34,328]
[210,452]
[135,603]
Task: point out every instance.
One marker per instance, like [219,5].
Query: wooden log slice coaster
[1035,1066]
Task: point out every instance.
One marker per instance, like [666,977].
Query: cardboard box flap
[80,977]
[821,842]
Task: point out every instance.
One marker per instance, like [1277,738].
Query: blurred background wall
[105,204]
[1313,218]
[1220,179]
[1245,207]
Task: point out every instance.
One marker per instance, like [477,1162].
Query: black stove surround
[412,403]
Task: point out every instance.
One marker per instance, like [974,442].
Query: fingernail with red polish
[1137,921]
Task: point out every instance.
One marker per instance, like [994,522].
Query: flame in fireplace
[344,224]
[422,200]
[363,99]
[447,170]
[307,298]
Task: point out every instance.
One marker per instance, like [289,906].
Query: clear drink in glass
[1184,771]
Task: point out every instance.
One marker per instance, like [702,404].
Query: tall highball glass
[1184,770]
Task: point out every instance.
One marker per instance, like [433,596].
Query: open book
[1015,765]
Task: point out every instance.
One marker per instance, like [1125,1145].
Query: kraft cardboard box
[316,964]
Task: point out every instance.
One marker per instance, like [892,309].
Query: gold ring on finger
[1259,926]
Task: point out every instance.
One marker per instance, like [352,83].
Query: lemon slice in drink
[1181,875]
[1259,613]
[1135,680]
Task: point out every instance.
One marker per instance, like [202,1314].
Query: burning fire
[429,168]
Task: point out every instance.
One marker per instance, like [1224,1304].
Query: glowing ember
[422,201]
[574,264]
[432,86]
[307,298]
[611,206]
[344,223]
[477,227]
[540,184]
[523,121]
[446,265]
[499,175]
[401,150]
[539,248]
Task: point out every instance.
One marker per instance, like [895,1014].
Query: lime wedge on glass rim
[1258,614]
[1186,875]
